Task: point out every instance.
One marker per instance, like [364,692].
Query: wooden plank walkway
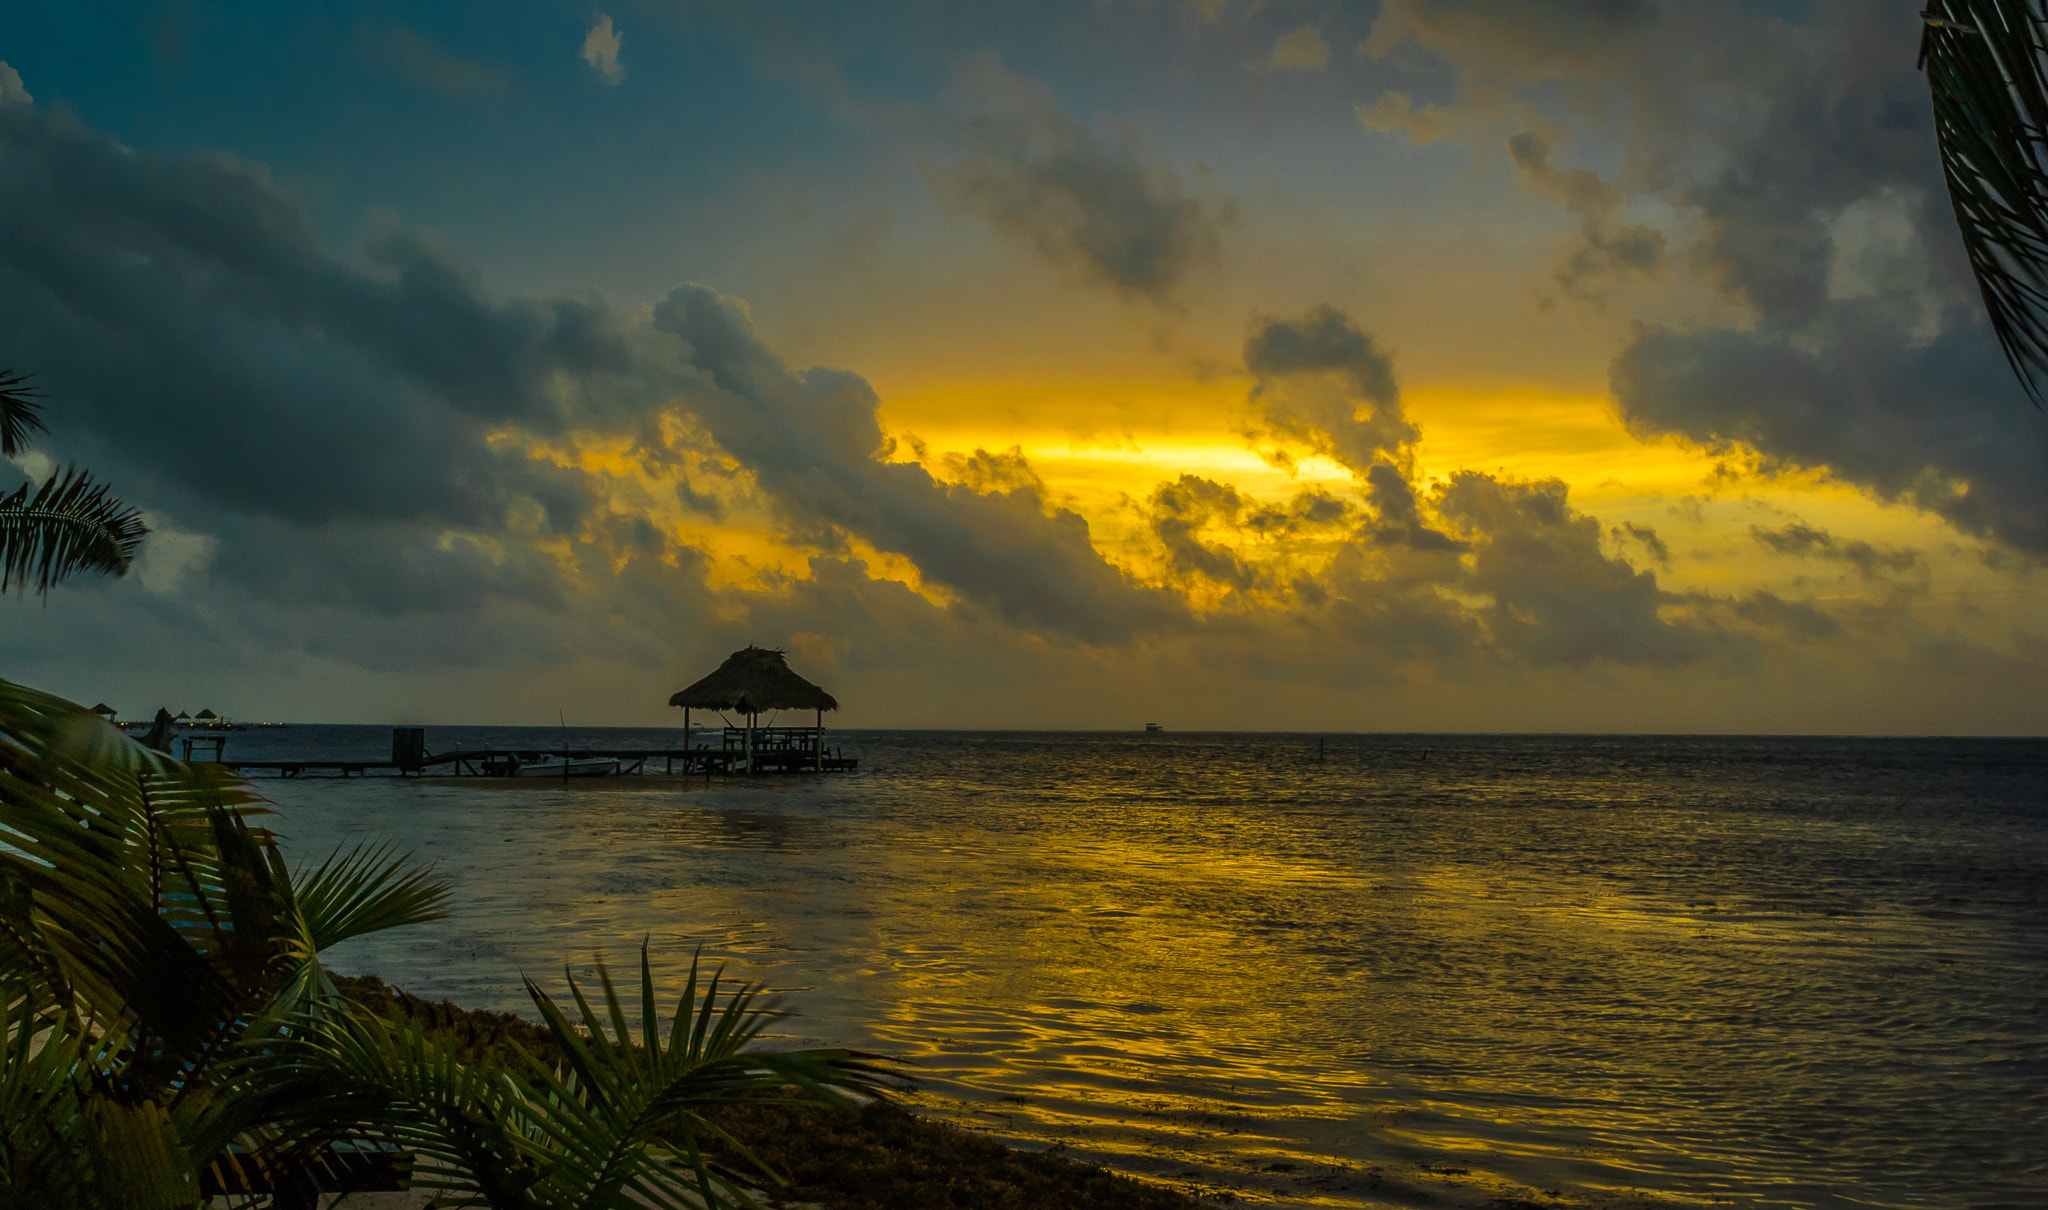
[670,761]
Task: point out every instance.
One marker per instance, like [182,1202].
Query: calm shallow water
[1750,972]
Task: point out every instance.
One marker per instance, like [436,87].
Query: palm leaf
[105,873]
[616,1127]
[365,890]
[71,524]
[1987,69]
[20,413]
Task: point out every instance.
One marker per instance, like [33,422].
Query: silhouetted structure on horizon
[751,682]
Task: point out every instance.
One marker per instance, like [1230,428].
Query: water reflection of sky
[1777,972]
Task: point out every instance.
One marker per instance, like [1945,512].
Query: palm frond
[1986,63]
[169,1032]
[71,524]
[655,1091]
[616,1127]
[365,890]
[20,412]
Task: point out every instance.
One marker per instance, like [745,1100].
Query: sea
[1314,970]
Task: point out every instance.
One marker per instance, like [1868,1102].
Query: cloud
[1802,541]
[214,356]
[601,51]
[1181,510]
[381,474]
[1475,570]
[1605,248]
[1301,49]
[1501,44]
[1795,150]
[418,59]
[1646,537]
[11,90]
[1556,598]
[1322,381]
[1395,112]
[1087,208]
[813,440]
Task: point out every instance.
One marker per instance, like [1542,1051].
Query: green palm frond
[71,524]
[109,877]
[659,1088]
[365,891]
[168,1029]
[619,1125]
[1987,68]
[20,412]
[148,922]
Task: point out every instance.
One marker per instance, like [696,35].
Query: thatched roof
[105,709]
[752,681]
[206,714]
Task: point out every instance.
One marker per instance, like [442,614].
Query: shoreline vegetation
[891,1158]
[886,1158]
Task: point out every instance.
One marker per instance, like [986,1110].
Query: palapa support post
[818,743]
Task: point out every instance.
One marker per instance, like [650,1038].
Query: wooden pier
[774,750]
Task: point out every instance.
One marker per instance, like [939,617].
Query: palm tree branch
[20,412]
[71,524]
[1986,71]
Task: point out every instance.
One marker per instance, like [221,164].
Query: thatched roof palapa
[105,709]
[752,681]
[206,714]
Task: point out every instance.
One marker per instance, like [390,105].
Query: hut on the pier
[753,682]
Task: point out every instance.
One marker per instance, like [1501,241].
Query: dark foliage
[1985,67]
[20,412]
[883,1159]
[70,524]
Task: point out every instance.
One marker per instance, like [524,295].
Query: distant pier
[771,751]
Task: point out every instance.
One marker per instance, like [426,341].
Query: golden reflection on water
[1372,985]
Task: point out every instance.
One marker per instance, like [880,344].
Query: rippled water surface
[1418,971]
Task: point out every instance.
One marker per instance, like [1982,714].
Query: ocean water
[1321,971]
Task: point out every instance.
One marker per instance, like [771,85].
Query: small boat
[1153,728]
[603,766]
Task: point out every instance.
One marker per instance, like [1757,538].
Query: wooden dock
[770,753]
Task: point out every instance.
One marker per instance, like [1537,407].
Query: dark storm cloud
[205,344]
[1798,145]
[1477,569]
[358,442]
[1085,206]
[1775,619]
[1556,597]
[1941,426]
[1400,521]
[1647,538]
[1805,542]
[1181,510]
[188,319]
[1322,381]
[813,439]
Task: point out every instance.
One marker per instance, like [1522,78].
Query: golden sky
[1497,366]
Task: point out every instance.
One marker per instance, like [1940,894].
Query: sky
[1423,365]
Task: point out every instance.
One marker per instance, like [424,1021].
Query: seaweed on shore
[884,1159]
